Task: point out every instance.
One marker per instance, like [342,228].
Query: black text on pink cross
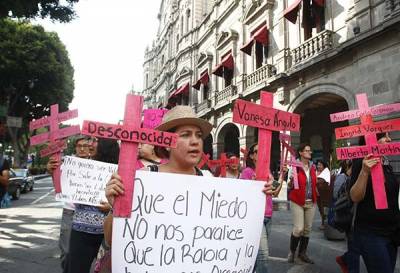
[369,129]
[267,119]
[55,136]
[130,134]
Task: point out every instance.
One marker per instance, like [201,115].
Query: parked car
[27,180]
[15,185]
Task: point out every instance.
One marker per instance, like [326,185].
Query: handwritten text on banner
[189,224]
[83,180]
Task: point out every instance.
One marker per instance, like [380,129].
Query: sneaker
[342,264]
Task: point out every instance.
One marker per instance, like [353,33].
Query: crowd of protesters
[85,233]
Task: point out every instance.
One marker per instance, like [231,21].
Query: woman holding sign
[182,160]
[302,203]
[376,232]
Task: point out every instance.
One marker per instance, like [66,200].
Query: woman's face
[253,156]
[320,166]
[233,166]
[385,139]
[189,146]
[306,153]
[145,150]
[82,148]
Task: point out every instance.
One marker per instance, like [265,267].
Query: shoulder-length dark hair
[249,162]
[301,148]
[107,151]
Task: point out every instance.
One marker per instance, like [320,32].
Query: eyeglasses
[82,146]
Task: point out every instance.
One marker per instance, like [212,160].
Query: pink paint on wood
[378,178]
[223,163]
[260,116]
[204,160]
[374,111]
[362,151]
[285,137]
[363,129]
[293,163]
[53,148]
[127,133]
[245,153]
[57,156]
[58,134]
[153,117]
[128,157]
[45,121]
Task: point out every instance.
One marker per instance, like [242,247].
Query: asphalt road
[29,238]
[29,232]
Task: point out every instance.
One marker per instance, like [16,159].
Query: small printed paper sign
[83,181]
[183,223]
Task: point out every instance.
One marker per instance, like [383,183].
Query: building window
[206,91]
[187,21]
[313,15]
[182,26]
[146,81]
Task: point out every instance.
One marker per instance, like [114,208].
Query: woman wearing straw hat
[183,159]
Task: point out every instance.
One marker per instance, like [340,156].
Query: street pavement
[29,235]
[29,232]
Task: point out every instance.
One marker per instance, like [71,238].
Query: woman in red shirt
[302,203]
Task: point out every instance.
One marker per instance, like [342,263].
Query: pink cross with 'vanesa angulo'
[130,134]
[267,119]
[369,129]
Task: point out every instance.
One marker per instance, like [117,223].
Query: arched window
[187,20]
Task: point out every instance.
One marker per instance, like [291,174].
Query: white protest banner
[83,181]
[188,224]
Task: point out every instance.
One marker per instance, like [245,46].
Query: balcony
[313,47]
[203,106]
[225,94]
[260,75]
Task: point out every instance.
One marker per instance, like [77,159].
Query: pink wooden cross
[286,149]
[245,153]
[223,162]
[267,119]
[130,134]
[153,117]
[369,129]
[54,136]
[204,161]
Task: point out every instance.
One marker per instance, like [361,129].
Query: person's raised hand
[52,164]
[114,188]
[268,189]
[369,162]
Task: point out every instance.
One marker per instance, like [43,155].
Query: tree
[30,9]
[35,72]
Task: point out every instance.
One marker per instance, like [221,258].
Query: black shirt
[4,165]
[383,221]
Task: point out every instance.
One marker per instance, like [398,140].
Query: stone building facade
[313,55]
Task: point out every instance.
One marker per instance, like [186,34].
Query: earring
[168,149]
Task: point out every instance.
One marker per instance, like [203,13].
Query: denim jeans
[378,252]
[352,256]
[261,265]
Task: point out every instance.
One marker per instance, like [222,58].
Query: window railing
[204,105]
[225,93]
[261,74]
[313,46]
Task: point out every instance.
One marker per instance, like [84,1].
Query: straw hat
[183,115]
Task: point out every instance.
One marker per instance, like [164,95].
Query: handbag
[344,210]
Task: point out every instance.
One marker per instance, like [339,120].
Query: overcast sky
[106,45]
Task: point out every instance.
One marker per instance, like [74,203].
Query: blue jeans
[261,265]
[378,252]
[352,256]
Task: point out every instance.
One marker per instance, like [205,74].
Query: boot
[294,241]
[302,250]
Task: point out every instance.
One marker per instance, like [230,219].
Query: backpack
[344,209]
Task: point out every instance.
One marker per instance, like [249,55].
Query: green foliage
[35,72]
[30,9]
